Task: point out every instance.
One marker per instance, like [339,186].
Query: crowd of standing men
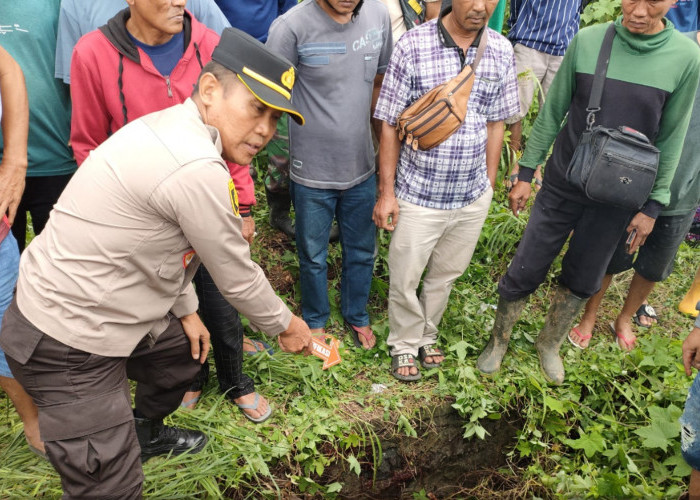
[135,129]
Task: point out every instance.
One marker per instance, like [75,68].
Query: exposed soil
[273,242]
[440,461]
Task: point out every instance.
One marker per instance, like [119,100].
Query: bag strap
[480,49]
[601,68]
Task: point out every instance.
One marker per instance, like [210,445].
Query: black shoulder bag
[612,166]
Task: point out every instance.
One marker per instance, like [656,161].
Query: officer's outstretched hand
[198,335]
[296,338]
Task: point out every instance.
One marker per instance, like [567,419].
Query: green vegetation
[600,11]
[610,431]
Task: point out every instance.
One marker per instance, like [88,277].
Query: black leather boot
[158,439]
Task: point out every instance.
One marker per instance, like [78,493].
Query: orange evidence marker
[328,352]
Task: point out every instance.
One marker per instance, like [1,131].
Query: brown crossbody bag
[437,114]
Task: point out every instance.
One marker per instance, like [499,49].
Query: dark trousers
[85,415]
[39,197]
[597,229]
[226,329]
[655,258]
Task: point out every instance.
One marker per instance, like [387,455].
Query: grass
[610,431]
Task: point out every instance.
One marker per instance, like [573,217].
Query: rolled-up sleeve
[185,303]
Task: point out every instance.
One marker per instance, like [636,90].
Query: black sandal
[404,361]
[428,351]
[644,310]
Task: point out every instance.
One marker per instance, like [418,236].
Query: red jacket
[114,82]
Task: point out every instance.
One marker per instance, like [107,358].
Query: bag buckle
[590,119]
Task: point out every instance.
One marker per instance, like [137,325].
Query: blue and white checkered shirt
[453,174]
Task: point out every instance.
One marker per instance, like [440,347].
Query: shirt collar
[191,106]
[446,38]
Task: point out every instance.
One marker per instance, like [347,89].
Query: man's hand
[198,335]
[296,338]
[15,127]
[643,224]
[691,351]
[11,188]
[386,212]
[248,230]
[518,197]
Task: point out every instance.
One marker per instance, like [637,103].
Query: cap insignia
[287,78]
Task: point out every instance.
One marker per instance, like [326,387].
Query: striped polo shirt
[544,25]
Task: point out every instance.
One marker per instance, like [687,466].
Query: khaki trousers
[441,240]
[531,63]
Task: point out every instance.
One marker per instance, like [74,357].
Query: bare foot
[646,320]
[434,359]
[317,331]
[579,338]
[190,399]
[407,370]
[249,399]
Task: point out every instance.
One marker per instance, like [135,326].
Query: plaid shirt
[453,174]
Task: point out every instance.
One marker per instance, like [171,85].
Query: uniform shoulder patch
[233,194]
[187,258]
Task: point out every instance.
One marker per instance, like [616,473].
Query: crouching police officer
[105,291]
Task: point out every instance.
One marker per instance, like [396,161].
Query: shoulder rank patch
[233,194]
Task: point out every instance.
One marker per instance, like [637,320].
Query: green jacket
[650,86]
